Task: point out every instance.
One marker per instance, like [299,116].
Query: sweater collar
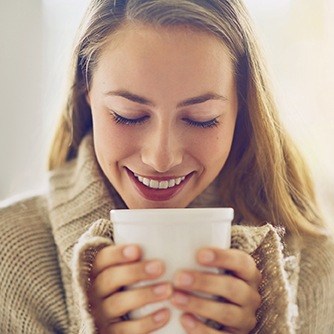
[78,196]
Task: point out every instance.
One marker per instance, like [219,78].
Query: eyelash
[204,125]
[126,121]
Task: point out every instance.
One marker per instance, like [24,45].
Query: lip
[157,194]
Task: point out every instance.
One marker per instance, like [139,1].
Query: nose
[162,149]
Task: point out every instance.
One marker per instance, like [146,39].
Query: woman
[169,106]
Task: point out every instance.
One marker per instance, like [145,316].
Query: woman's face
[164,106]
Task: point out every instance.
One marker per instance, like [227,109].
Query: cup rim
[127,216]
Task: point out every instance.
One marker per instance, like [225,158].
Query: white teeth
[163,184]
[171,183]
[155,184]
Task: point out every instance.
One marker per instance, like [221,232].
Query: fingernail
[161,289]
[180,298]
[153,267]
[184,279]
[188,321]
[160,316]
[130,252]
[206,256]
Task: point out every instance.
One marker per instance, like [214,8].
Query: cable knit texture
[48,243]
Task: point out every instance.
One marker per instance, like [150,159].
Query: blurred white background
[36,38]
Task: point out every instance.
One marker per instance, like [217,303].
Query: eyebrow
[188,102]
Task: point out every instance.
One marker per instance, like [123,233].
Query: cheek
[211,149]
[112,142]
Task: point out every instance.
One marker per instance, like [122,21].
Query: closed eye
[137,121]
[207,124]
[128,121]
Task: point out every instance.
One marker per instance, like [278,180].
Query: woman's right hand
[114,268]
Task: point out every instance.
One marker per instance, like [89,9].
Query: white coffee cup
[172,235]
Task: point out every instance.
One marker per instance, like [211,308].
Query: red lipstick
[157,194]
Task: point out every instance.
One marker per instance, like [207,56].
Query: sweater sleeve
[278,310]
[31,293]
[316,287]
[98,236]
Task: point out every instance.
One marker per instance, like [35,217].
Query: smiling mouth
[160,184]
[158,188]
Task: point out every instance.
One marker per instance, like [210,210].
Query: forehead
[174,54]
[138,36]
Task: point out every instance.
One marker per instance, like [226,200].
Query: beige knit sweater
[47,244]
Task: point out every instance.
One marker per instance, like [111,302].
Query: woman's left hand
[234,309]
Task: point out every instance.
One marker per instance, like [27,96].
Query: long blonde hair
[264,179]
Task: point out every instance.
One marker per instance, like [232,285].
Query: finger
[192,325]
[229,287]
[238,262]
[113,278]
[127,301]
[141,326]
[227,314]
[113,255]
